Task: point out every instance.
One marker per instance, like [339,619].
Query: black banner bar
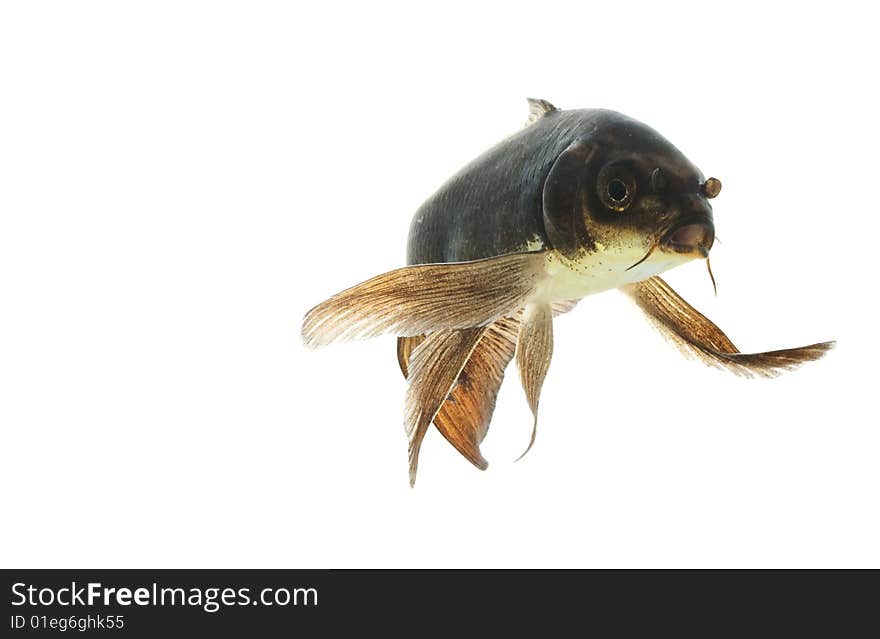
[153,603]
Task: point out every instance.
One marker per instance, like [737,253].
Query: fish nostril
[711,187]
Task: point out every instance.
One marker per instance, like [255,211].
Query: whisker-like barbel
[711,276]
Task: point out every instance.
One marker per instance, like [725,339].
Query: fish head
[627,197]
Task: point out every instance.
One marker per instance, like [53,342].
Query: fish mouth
[690,237]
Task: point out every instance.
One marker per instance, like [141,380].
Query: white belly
[601,271]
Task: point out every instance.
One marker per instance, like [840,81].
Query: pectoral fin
[696,335]
[433,368]
[534,349]
[427,298]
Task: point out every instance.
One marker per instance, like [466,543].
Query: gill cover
[564,200]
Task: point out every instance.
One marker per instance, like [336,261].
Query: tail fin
[464,417]
[433,370]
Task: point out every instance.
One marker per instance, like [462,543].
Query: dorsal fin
[538,109]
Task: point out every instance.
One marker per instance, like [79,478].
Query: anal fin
[534,350]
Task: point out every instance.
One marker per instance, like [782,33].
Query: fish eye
[616,187]
[617,190]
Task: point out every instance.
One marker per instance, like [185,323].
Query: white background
[180,182]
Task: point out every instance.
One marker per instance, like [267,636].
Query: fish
[578,202]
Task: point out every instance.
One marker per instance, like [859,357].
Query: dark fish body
[494,205]
[577,203]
